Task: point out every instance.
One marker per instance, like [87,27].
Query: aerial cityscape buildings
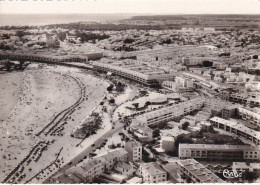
[149,99]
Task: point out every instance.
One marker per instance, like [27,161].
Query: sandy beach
[43,95]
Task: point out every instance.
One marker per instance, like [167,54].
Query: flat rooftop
[201,172]
[237,126]
[218,147]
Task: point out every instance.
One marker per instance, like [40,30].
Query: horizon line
[135,13]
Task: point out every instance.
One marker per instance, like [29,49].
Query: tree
[8,66]
[21,33]
[128,41]
[112,101]
[185,125]
[250,176]
[6,36]
[120,87]
[255,56]
[135,105]
[61,36]
[182,139]
[147,103]
[110,88]
[167,41]
[188,180]
[156,132]
[21,64]
[207,63]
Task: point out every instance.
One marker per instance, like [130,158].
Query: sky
[130,6]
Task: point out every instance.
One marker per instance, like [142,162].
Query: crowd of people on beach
[35,153]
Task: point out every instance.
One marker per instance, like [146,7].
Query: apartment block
[152,173]
[142,131]
[236,128]
[134,150]
[196,172]
[249,116]
[168,113]
[209,152]
[93,168]
[229,111]
[133,70]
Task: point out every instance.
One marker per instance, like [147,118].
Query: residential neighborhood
[146,99]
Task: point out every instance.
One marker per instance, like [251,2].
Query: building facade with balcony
[168,113]
[236,128]
[152,173]
[249,116]
[196,172]
[93,168]
[211,152]
[137,72]
[134,150]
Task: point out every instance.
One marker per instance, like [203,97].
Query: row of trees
[21,33]
[85,37]
[97,26]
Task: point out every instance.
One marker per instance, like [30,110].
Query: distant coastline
[44,19]
[47,19]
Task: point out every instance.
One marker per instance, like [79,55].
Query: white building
[193,61]
[134,70]
[219,152]
[152,173]
[180,83]
[249,116]
[124,169]
[236,128]
[170,85]
[141,130]
[196,172]
[168,113]
[190,119]
[134,150]
[167,143]
[95,167]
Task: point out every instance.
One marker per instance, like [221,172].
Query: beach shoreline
[43,93]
